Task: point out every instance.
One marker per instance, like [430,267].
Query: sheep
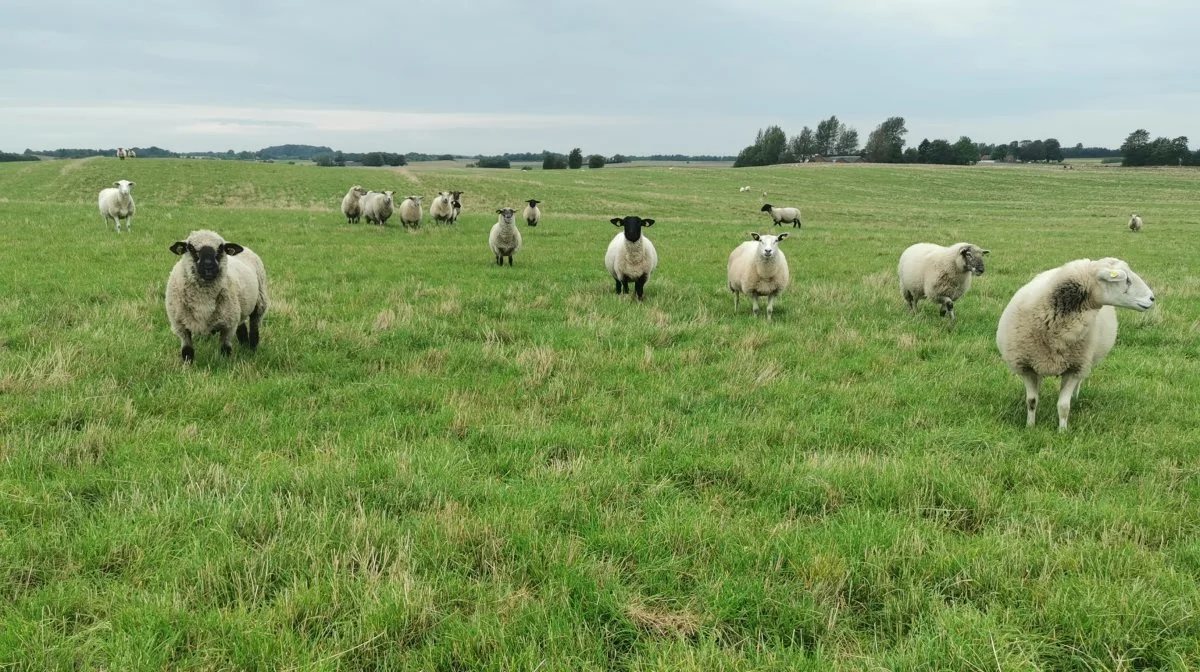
[130,154]
[940,274]
[455,206]
[781,215]
[410,212]
[121,153]
[1063,323]
[758,267]
[631,256]
[744,189]
[116,203]
[505,237]
[377,207]
[442,207]
[1135,223]
[532,213]
[216,288]
[352,204]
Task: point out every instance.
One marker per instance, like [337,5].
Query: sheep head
[1119,286]
[632,225]
[768,245]
[972,258]
[207,250]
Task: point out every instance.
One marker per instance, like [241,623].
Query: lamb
[781,215]
[352,204]
[116,203]
[631,256]
[442,208]
[1063,323]
[758,267]
[216,288]
[455,206]
[505,238]
[532,214]
[940,274]
[377,207]
[1135,223]
[410,212]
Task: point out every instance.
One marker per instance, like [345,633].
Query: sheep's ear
[1112,275]
[133,184]
[232,248]
[117,184]
[616,221]
[781,237]
[987,251]
[499,212]
[754,235]
[179,247]
[647,222]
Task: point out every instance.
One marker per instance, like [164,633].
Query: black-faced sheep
[216,287]
[631,256]
[532,214]
[1135,223]
[940,274]
[782,215]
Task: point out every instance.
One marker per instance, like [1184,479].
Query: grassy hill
[434,463]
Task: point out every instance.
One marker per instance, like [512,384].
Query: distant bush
[596,161]
[552,161]
[494,162]
[5,157]
[1111,159]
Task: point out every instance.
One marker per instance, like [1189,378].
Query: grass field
[433,463]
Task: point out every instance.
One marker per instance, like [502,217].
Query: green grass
[433,463]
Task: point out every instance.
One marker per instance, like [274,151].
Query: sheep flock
[1062,323]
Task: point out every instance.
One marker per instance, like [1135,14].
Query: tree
[769,147]
[911,155]
[965,152]
[886,142]
[827,135]
[619,158]
[803,146]
[552,161]
[1053,150]
[575,159]
[1135,149]
[372,159]
[596,161]
[940,151]
[847,142]
[493,162]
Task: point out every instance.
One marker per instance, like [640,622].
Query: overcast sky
[652,76]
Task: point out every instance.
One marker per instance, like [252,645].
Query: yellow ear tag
[1114,273]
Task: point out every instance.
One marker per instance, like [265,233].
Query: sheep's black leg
[624,285]
[243,335]
[796,224]
[255,320]
[948,309]
[510,260]
[639,286]
[618,286]
[910,300]
[226,341]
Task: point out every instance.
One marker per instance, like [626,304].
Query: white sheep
[781,215]
[1135,223]
[505,237]
[442,207]
[116,203]
[940,274]
[455,206]
[532,213]
[352,204]
[410,212]
[631,256]
[129,153]
[216,288]
[1062,323]
[744,189]
[377,206]
[758,268]
[121,153]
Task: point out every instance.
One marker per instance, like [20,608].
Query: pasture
[433,463]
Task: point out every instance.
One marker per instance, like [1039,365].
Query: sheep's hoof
[226,349]
[188,354]
[243,335]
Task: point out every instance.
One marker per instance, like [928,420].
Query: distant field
[433,463]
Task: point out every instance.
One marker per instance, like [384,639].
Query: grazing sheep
[377,207]
[121,153]
[744,189]
[116,203]
[216,288]
[758,268]
[352,204]
[410,212]
[532,213]
[1062,323]
[1135,223]
[455,206]
[505,238]
[631,257]
[940,274]
[781,215]
[442,207]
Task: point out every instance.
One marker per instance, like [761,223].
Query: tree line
[1139,150]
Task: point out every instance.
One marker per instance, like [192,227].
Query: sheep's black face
[765,208]
[632,225]
[207,259]
[973,260]
[533,202]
